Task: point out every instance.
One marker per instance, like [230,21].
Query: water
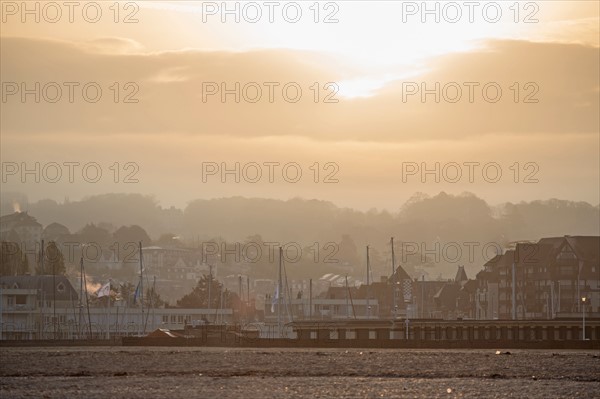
[105,372]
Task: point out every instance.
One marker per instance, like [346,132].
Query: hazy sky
[371,139]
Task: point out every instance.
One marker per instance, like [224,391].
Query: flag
[275,298]
[104,290]
[136,294]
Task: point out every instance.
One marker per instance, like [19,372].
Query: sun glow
[368,48]
[375,33]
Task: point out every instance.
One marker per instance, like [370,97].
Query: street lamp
[583,313]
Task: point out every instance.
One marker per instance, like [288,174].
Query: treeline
[457,220]
[421,218]
[14,260]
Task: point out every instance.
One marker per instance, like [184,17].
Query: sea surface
[134,372]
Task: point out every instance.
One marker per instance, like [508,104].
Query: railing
[18,308]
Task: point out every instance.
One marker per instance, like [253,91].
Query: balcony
[18,308]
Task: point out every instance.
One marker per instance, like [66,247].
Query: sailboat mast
[150,303]
[87,299]
[209,286]
[393,279]
[279,291]
[368,286]
[310,294]
[141,287]
[288,295]
[80,295]
[350,296]
[153,300]
[108,313]
[347,303]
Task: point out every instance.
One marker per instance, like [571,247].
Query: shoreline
[306,344]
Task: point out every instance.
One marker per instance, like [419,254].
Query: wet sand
[296,373]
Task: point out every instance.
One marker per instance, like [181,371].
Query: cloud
[564,78]
[113,45]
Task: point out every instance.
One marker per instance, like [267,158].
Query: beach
[89,372]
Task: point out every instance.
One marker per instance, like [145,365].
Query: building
[28,311]
[542,280]
[177,270]
[31,306]
[337,304]
[400,285]
[19,313]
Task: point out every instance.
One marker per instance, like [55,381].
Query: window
[165,319]
[566,253]
[21,299]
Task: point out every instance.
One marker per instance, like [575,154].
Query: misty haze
[299,199]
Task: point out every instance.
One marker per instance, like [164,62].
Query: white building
[28,311]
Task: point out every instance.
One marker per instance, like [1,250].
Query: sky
[358,103]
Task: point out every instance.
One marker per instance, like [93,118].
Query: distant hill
[422,217]
[423,220]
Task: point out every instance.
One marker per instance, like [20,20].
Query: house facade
[177,270]
[32,305]
[542,280]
